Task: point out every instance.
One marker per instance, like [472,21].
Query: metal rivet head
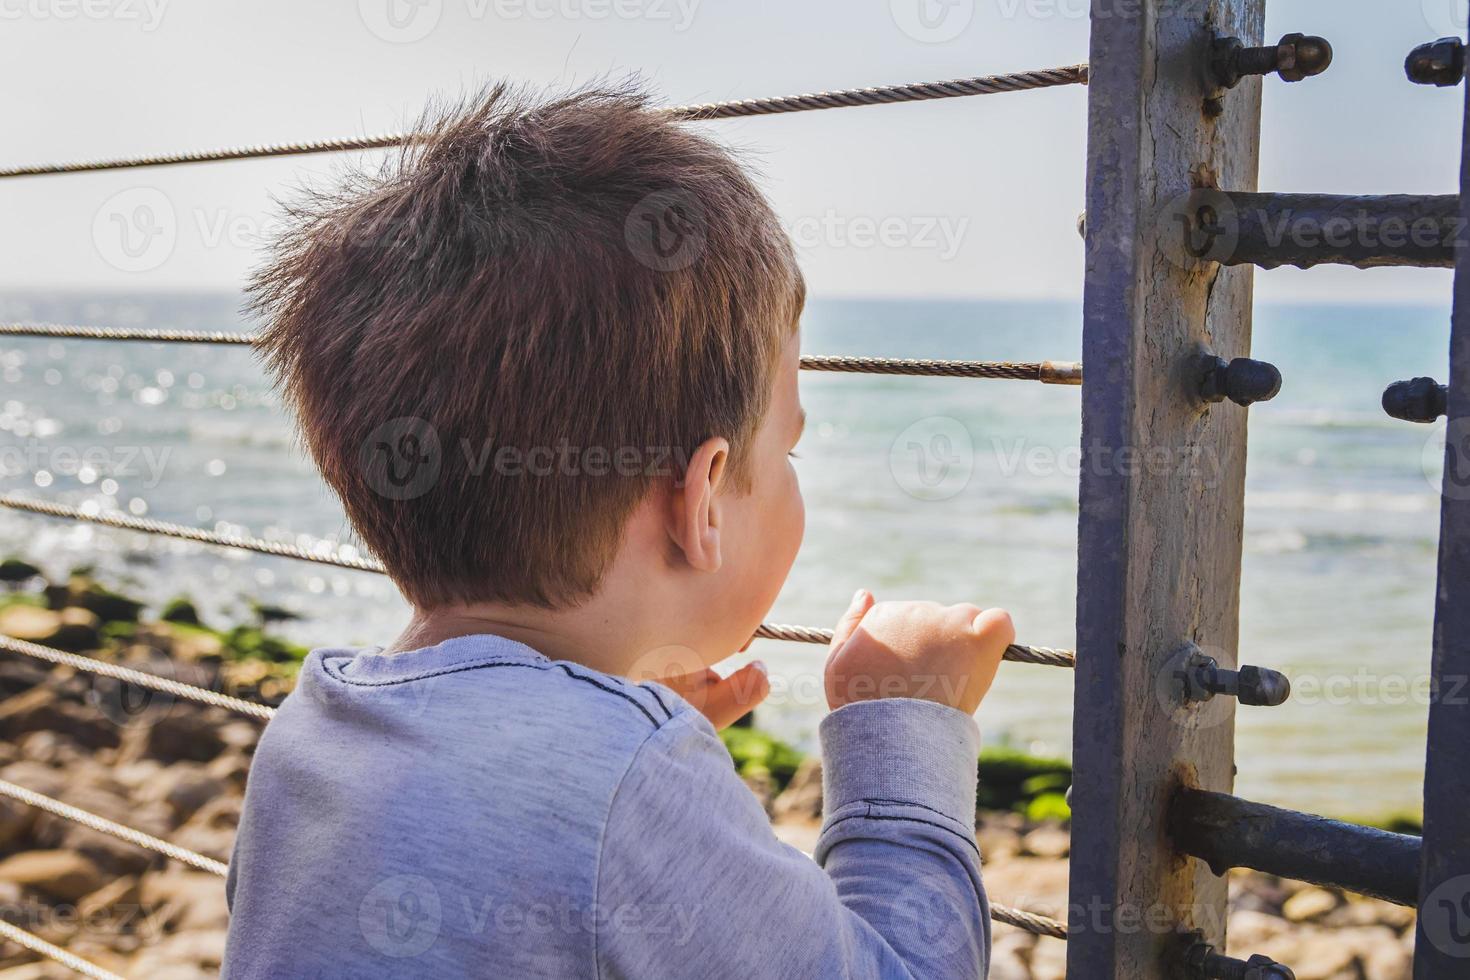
[1439,63]
[1242,380]
[1203,962]
[1416,400]
[1293,58]
[1203,678]
[1300,56]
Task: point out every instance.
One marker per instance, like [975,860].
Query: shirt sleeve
[693,884]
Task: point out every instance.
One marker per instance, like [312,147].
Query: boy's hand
[947,654]
[722,700]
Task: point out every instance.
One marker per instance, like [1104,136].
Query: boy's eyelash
[794,454]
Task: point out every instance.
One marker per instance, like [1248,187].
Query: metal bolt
[1293,58]
[1243,381]
[1439,63]
[1416,400]
[1206,964]
[1204,678]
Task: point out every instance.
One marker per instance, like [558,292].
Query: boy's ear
[694,519]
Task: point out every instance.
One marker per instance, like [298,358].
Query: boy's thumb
[862,601]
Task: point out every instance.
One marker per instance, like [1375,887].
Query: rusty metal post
[1162,482]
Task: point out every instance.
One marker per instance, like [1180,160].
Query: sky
[975,197]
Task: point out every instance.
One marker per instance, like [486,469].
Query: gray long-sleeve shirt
[475,809]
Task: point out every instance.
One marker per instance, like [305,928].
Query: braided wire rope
[72,331]
[112,828]
[71,961]
[324,554]
[1047,372]
[842,98]
[138,678]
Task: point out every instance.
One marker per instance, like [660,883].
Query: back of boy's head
[497,344]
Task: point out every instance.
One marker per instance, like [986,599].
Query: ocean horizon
[950,489]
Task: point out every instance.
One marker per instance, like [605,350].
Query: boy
[549,364]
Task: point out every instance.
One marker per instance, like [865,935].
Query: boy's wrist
[901,750]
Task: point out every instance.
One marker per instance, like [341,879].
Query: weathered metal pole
[1442,942]
[1162,480]
[1227,832]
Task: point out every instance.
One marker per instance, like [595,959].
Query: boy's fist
[947,654]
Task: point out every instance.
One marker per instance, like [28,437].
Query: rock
[106,605]
[239,734]
[14,572]
[998,839]
[29,622]
[113,855]
[182,956]
[211,831]
[50,748]
[70,630]
[39,709]
[118,891]
[134,775]
[1035,884]
[232,767]
[182,733]
[185,900]
[16,820]
[1337,954]
[184,786]
[1009,952]
[1248,930]
[764,788]
[1308,904]
[18,674]
[1047,841]
[180,610]
[800,834]
[1253,891]
[1361,911]
[1049,959]
[34,776]
[803,795]
[66,875]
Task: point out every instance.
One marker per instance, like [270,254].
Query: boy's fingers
[727,701]
[997,623]
[691,687]
[862,601]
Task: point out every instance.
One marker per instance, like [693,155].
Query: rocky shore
[176,770]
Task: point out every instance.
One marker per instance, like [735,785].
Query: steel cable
[843,98]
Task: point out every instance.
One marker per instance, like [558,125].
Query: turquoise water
[937,488]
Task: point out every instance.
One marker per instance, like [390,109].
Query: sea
[946,489]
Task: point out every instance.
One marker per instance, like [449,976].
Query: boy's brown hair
[495,345]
